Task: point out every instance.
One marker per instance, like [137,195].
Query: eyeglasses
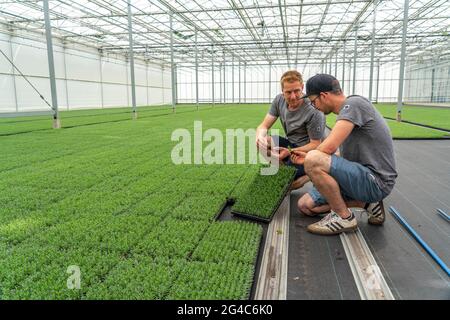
[313,101]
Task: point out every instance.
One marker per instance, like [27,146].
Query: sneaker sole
[375,223]
[331,233]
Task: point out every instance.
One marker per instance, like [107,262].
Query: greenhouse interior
[129,167]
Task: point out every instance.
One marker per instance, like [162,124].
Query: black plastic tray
[257,264]
[227,202]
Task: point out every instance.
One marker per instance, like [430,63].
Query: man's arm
[340,132]
[313,144]
[261,131]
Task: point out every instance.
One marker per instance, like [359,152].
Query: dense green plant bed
[107,198]
[436,117]
[401,130]
[82,117]
[261,198]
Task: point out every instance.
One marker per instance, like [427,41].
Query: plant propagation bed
[106,199]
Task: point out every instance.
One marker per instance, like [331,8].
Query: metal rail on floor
[368,277]
[272,279]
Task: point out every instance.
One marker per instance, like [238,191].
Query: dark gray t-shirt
[370,142]
[301,125]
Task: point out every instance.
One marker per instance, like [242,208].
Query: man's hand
[280,153]
[298,157]
[261,140]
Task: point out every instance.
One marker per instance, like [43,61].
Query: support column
[127,80]
[100,56]
[172,64]
[343,65]
[335,65]
[220,82]
[212,75]
[355,55]
[378,79]
[146,82]
[13,73]
[51,66]
[175,81]
[162,83]
[270,80]
[349,74]
[240,84]
[433,77]
[232,79]
[196,70]
[372,49]
[224,80]
[245,82]
[402,62]
[131,56]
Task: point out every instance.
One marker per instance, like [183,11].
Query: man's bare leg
[317,167]
[307,206]
[300,182]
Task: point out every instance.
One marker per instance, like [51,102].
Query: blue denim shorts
[283,142]
[356,182]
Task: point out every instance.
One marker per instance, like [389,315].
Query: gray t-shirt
[370,142]
[301,125]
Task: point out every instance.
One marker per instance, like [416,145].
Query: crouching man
[303,124]
[365,172]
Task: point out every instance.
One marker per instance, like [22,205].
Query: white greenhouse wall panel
[31,58]
[7,99]
[167,98]
[114,95]
[5,66]
[84,94]
[154,81]
[141,96]
[155,96]
[86,67]
[114,72]
[61,94]
[28,99]
[81,73]
[140,75]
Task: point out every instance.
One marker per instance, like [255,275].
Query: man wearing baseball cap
[365,172]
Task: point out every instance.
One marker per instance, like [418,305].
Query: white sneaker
[332,223]
[375,211]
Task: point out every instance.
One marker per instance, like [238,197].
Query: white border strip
[272,279]
[368,277]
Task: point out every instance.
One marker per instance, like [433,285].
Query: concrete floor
[318,268]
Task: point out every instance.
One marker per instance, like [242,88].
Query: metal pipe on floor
[443,214]
[413,232]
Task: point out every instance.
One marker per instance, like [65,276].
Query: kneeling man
[364,173]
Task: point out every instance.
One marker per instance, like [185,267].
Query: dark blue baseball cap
[321,83]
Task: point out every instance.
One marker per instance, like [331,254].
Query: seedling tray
[274,210]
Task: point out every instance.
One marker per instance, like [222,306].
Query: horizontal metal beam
[176,12]
[291,41]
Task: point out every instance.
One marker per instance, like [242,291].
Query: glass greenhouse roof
[246,31]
